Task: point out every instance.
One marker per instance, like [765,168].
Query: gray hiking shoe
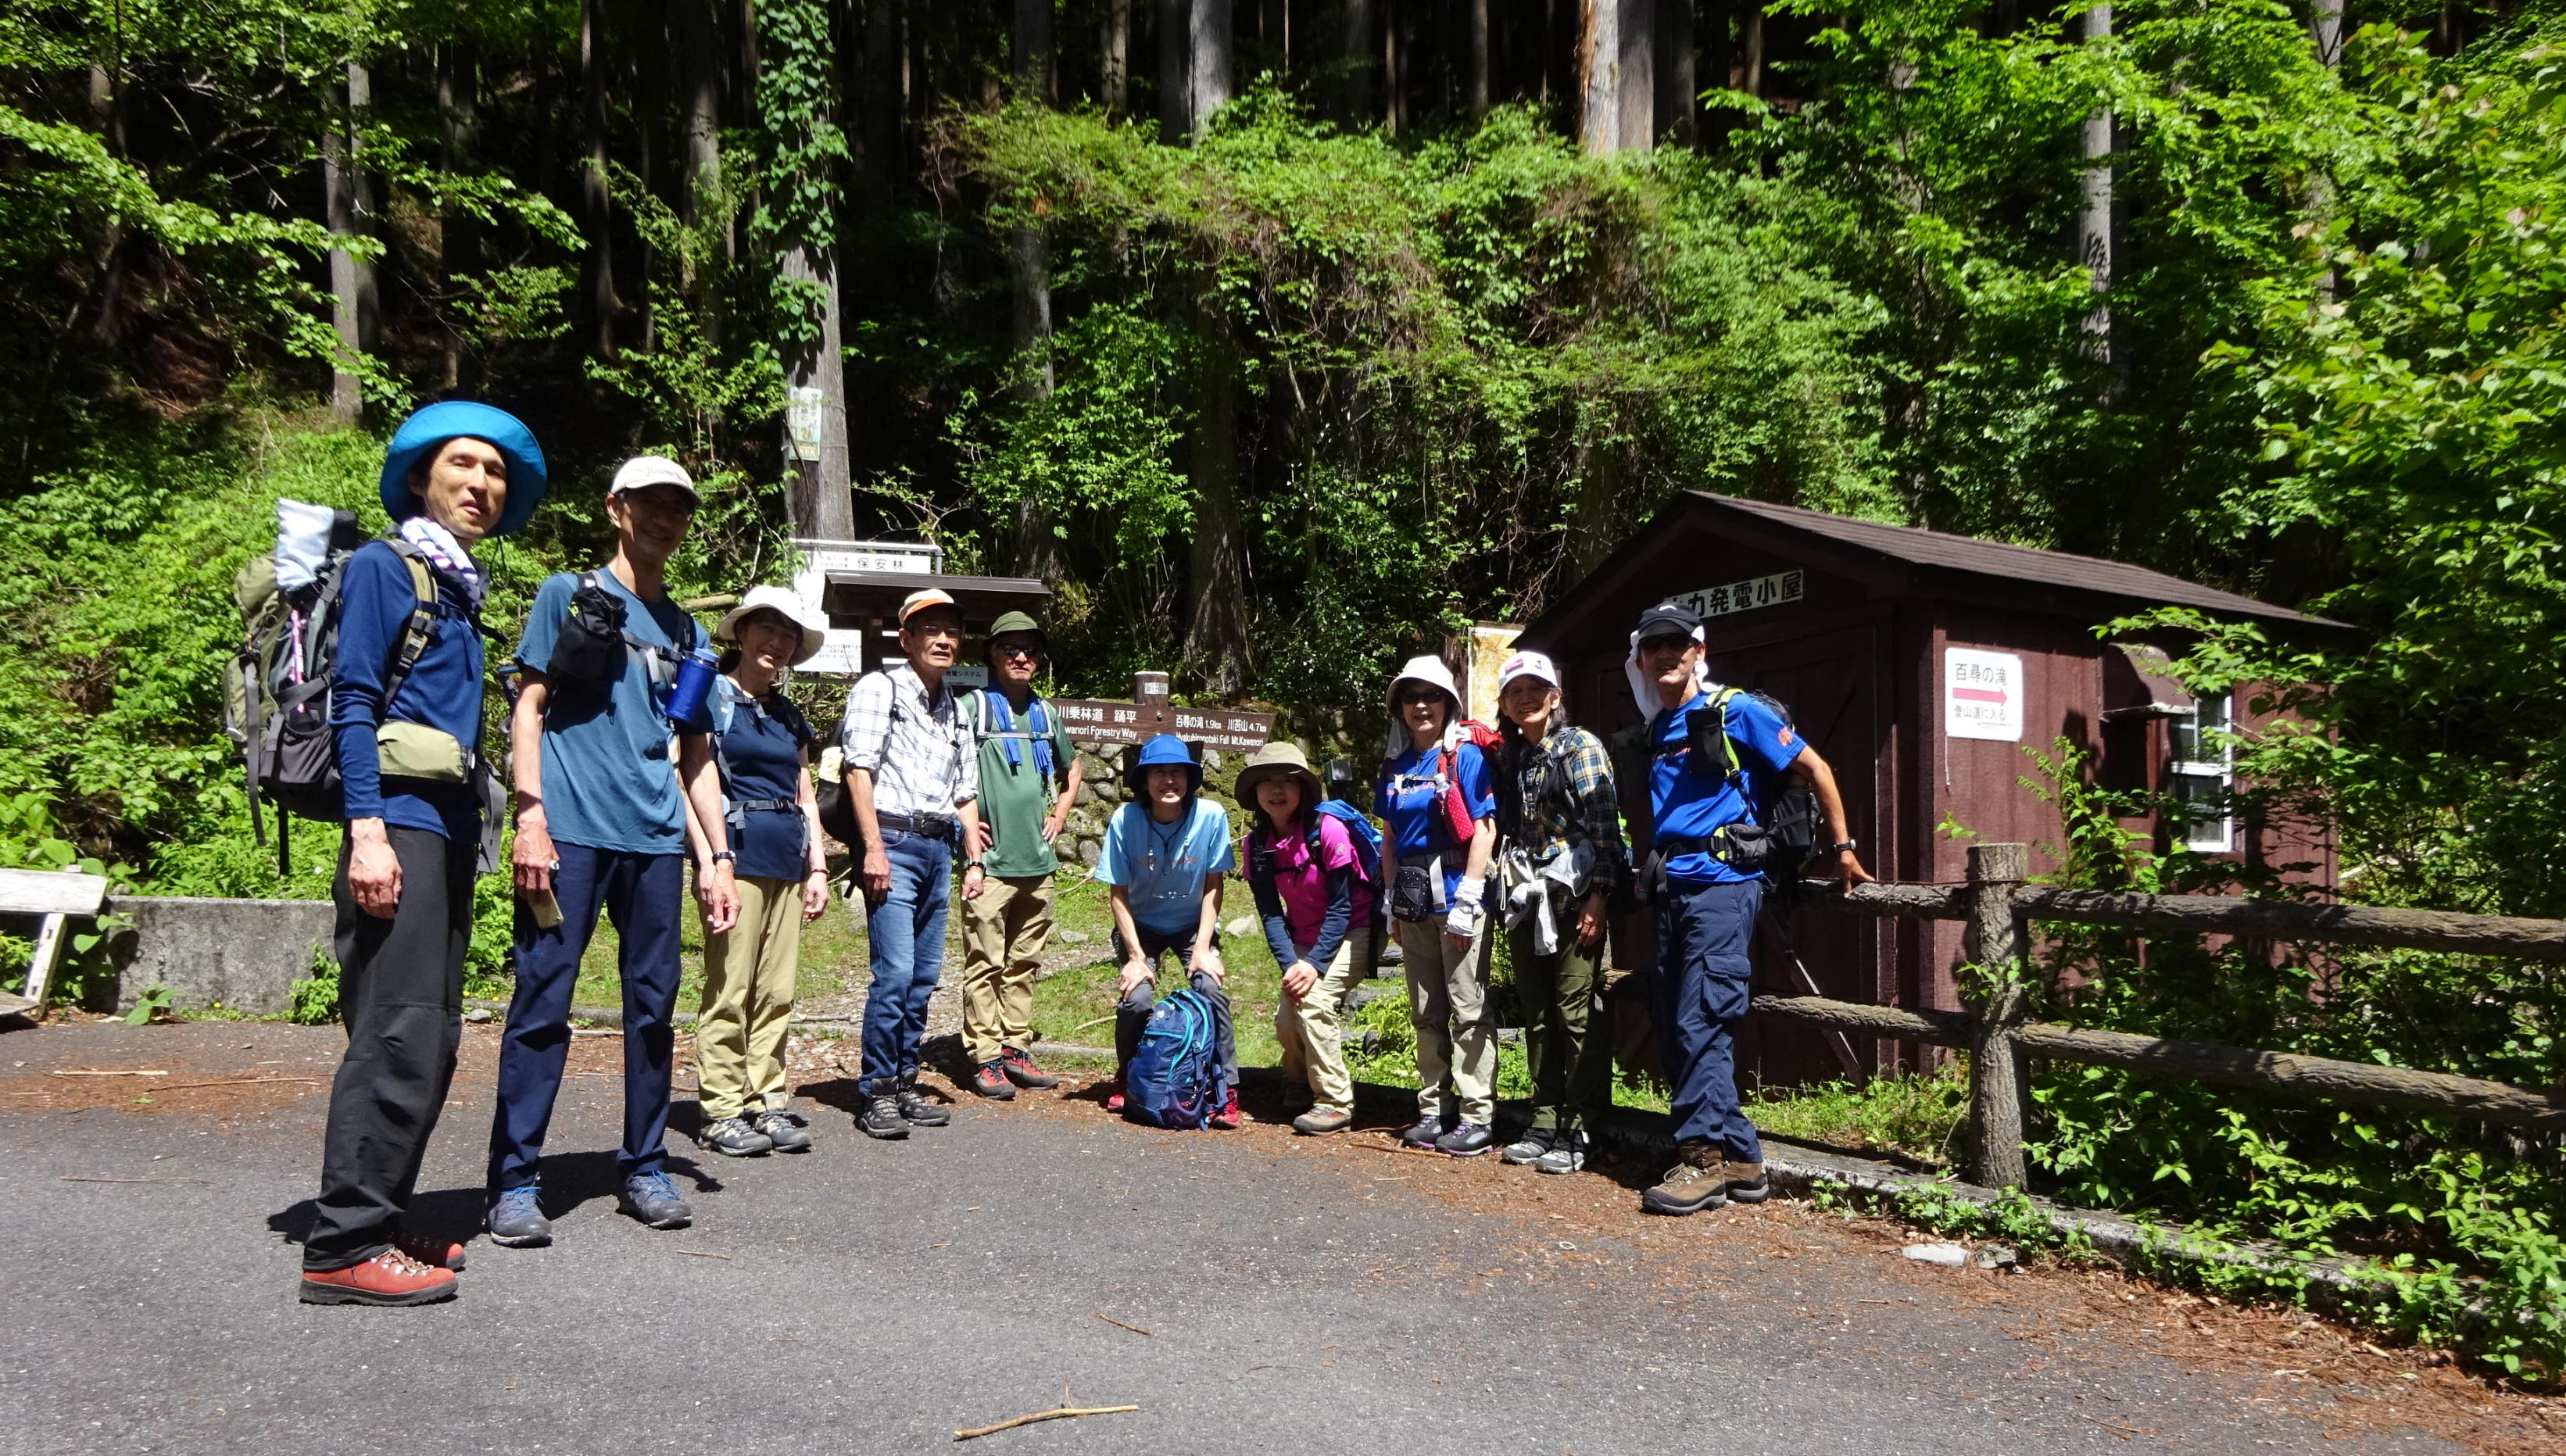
[919,1109]
[1469,1139]
[1528,1150]
[735,1136]
[880,1117]
[652,1198]
[517,1219]
[1566,1153]
[1318,1121]
[783,1130]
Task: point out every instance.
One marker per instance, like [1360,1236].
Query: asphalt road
[877,1297]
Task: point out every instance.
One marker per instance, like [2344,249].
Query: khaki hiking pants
[1447,1004]
[749,971]
[1312,1030]
[1003,934]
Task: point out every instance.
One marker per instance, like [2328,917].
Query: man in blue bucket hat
[601,825]
[408,746]
[1165,853]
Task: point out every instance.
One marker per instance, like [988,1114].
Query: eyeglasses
[930,632]
[1010,650]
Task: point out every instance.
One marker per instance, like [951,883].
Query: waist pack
[1175,1078]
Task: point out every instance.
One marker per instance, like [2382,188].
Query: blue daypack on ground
[1175,1078]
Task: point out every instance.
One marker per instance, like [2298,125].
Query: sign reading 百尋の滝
[1745,596]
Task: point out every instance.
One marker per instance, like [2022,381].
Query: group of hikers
[634,755]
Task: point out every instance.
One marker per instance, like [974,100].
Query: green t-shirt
[1015,794]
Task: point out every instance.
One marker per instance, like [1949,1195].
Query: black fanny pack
[589,654]
[1742,847]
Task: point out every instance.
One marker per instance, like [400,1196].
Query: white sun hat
[785,605]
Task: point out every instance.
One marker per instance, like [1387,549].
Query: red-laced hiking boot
[1226,1119]
[389,1278]
[434,1253]
[1024,1073]
[989,1079]
[1114,1095]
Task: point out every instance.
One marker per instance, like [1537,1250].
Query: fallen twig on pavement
[151,1072]
[240,1082]
[1397,1148]
[76,1178]
[1135,1329]
[1054,1414]
[702,1254]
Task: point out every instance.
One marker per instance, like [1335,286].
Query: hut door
[1827,680]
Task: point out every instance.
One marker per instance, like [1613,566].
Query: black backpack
[1789,817]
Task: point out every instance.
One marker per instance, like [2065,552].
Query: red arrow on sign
[1979,694]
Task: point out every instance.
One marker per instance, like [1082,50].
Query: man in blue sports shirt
[1715,756]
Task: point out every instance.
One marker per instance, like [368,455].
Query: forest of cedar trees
[1281,334]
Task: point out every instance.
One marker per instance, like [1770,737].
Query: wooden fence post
[1994,944]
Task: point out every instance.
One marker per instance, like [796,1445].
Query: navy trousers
[643,894]
[1703,983]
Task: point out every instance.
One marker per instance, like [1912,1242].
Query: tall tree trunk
[1114,58]
[1479,24]
[458,84]
[1216,631]
[351,278]
[1394,71]
[1358,62]
[823,501]
[1032,50]
[2325,26]
[596,202]
[700,69]
[1209,47]
[1615,81]
[106,114]
[1678,106]
[1751,50]
[886,60]
[1175,106]
[1037,541]
[2094,213]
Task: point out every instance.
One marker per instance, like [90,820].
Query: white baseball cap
[1528,664]
[643,471]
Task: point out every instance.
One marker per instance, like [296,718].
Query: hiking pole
[1841,1044]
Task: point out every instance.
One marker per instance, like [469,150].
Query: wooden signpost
[1097,722]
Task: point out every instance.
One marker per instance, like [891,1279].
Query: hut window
[2203,776]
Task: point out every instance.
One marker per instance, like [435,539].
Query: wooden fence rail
[1996,902]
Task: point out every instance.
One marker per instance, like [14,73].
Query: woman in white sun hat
[763,747]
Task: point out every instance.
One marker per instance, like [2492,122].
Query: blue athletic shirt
[1691,801]
[607,779]
[1161,866]
[1419,826]
[444,691]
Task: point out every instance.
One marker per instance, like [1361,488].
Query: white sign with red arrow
[1981,694]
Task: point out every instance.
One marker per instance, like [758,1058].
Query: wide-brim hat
[1016,624]
[785,605]
[1280,761]
[1431,670]
[1167,748]
[432,426]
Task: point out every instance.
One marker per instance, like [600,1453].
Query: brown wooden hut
[1925,668]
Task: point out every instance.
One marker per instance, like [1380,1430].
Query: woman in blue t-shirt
[762,744]
[1441,804]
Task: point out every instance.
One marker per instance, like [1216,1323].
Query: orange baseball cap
[919,602]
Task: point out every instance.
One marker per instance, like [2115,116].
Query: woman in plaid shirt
[1561,860]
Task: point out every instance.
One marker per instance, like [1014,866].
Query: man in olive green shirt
[1029,779]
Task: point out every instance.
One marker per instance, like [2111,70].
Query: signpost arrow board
[1981,694]
[1098,721]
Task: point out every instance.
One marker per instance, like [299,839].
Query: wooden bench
[56,895]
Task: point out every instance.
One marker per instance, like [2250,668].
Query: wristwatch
[726,856]
[1841,848]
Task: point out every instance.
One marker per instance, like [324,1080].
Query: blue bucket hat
[437,424]
[1167,748]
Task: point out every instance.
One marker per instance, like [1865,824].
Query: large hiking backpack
[1175,1078]
[1366,837]
[276,688]
[1788,815]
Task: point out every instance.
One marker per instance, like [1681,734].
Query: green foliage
[154,1001]
[316,996]
[1916,1116]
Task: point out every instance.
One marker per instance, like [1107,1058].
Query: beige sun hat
[1279,760]
[783,604]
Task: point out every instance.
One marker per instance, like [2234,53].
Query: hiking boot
[1320,1120]
[1426,1133]
[1226,1119]
[1467,1140]
[916,1108]
[434,1253]
[1746,1181]
[517,1219]
[389,1278]
[783,1130]
[989,1079]
[1024,1073]
[880,1117]
[736,1137]
[1114,1093]
[652,1198]
[1695,1183]
[1566,1153]
[1529,1149]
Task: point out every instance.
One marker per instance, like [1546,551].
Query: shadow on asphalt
[569,1180]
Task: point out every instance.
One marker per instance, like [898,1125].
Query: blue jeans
[906,935]
[643,894]
[1703,983]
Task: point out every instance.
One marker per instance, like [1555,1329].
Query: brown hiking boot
[1695,1183]
[1746,1181]
[389,1278]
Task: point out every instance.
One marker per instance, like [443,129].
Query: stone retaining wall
[241,955]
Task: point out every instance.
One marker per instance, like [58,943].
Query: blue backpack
[1175,1078]
[1360,829]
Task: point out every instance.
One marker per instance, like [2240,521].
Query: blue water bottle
[694,679]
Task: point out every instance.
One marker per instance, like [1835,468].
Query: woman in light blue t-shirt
[1163,856]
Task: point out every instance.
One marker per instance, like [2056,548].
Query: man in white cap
[911,776]
[601,825]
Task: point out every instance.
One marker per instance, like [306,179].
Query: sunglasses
[1421,695]
[1011,651]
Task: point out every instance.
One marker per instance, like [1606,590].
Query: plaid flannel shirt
[918,749]
[1560,791]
